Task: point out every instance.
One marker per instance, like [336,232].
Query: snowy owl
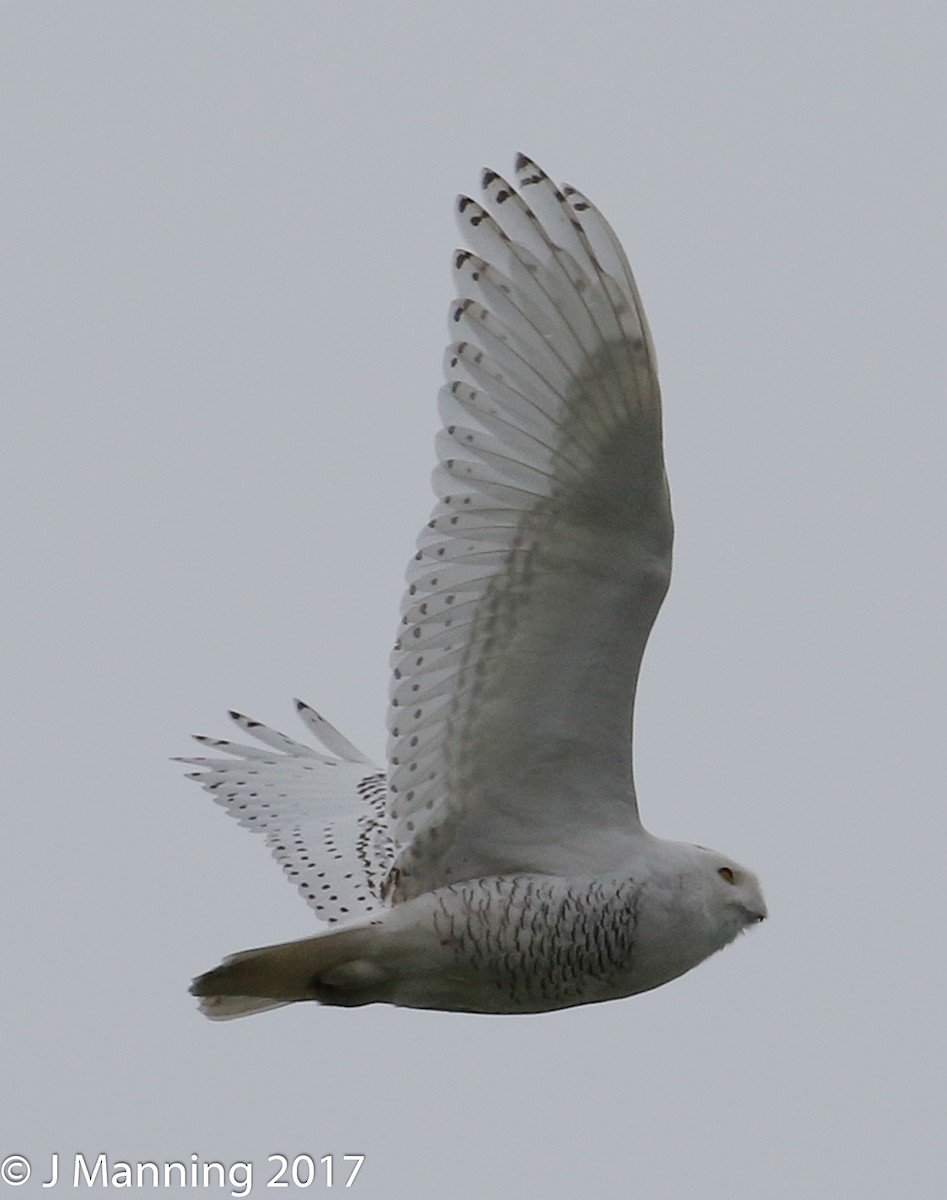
[498,864]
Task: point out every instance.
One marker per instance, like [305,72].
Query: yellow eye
[725,873]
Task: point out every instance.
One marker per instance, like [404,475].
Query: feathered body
[499,865]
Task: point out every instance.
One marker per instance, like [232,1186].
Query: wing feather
[323,816]
[546,558]
[530,597]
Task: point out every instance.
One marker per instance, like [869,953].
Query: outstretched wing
[547,556]
[323,814]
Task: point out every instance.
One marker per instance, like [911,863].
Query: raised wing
[323,814]
[540,573]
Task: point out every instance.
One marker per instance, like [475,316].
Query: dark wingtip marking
[537,174]
[580,204]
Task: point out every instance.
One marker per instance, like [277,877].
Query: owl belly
[531,943]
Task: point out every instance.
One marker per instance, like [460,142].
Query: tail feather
[226,1008]
[332,968]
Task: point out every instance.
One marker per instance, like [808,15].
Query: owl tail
[340,967]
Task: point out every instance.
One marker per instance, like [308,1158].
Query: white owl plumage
[499,864]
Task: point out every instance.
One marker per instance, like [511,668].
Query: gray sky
[225,278]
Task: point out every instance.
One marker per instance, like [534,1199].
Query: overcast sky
[227,230]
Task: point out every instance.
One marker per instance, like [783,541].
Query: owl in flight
[498,864]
